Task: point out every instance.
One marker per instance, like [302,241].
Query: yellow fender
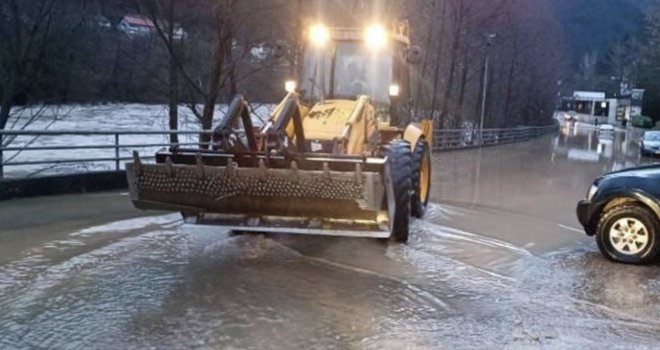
[416,131]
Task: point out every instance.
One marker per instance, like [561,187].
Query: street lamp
[489,41]
[376,37]
[319,35]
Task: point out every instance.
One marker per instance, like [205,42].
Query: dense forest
[196,54]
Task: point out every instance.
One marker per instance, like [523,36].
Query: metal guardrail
[448,139]
[443,140]
[116,145]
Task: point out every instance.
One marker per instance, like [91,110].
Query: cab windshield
[346,70]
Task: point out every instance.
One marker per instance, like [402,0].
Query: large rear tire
[399,162]
[421,178]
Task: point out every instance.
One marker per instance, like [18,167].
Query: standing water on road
[498,261]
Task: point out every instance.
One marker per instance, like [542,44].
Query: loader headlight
[319,35]
[290,86]
[395,90]
[375,36]
[592,192]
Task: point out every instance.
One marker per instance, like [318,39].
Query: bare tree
[216,57]
[34,39]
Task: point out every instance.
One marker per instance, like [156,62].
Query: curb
[62,184]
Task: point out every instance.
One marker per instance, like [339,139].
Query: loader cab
[343,63]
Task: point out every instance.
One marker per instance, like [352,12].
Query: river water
[109,117]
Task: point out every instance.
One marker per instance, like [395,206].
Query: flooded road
[499,261]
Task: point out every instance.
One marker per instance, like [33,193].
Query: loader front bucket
[339,196]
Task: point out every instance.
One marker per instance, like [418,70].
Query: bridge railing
[448,139]
[46,152]
[69,151]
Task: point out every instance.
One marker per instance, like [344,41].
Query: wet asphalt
[499,261]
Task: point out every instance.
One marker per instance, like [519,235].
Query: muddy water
[488,267]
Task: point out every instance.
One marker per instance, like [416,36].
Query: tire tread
[399,160]
[417,207]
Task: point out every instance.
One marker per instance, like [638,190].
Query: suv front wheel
[629,234]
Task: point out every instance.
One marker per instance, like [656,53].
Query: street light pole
[483,101]
[484,92]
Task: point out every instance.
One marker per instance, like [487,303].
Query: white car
[650,143]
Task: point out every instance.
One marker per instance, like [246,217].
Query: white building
[596,107]
[636,100]
[135,25]
[261,51]
[102,21]
[138,25]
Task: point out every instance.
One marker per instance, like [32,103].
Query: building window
[621,113]
[602,109]
[583,107]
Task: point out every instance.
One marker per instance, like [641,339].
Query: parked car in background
[650,144]
[622,210]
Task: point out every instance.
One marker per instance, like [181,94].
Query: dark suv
[622,210]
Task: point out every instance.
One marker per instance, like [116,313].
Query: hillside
[591,26]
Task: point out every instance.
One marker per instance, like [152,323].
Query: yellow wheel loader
[341,155]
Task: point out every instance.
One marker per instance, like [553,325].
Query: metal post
[117,151]
[2,161]
[489,42]
[483,100]
[322,68]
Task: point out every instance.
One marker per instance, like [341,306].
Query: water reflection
[615,150]
[541,179]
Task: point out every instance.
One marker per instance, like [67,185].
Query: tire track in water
[440,241]
[448,232]
[58,258]
[47,302]
[430,297]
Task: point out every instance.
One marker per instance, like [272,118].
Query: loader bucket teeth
[294,171]
[169,167]
[358,174]
[326,171]
[137,163]
[230,171]
[200,165]
[263,171]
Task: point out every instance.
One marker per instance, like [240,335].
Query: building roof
[138,21]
